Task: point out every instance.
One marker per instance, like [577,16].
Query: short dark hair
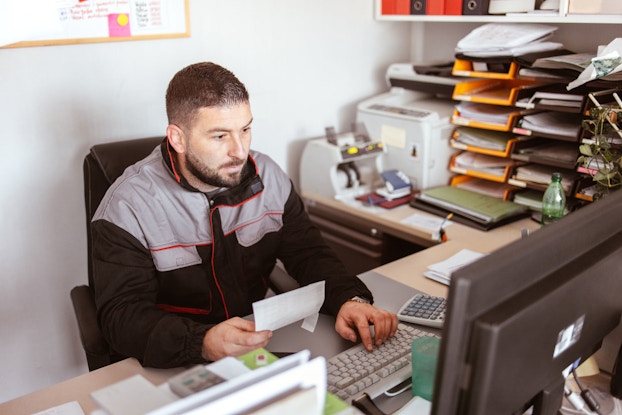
[204,84]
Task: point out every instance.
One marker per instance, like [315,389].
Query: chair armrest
[91,336]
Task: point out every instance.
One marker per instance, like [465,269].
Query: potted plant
[601,155]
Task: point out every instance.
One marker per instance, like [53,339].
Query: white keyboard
[356,371]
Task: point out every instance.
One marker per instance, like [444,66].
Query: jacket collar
[250,186]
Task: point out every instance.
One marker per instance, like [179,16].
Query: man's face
[217,146]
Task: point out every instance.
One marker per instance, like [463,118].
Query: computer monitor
[519,317]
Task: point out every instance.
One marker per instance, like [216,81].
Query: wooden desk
[409,270]
[79,388]
[390,221]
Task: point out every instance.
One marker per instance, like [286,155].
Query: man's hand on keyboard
[354,316]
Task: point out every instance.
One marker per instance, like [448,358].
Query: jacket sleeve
[125,287]
[308,258]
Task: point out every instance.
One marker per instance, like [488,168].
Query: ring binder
[453,7]
[475,7]
[435,7]
[417,6]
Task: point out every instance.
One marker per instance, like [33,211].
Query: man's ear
[176,138]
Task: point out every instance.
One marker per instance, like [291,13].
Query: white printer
[413,126]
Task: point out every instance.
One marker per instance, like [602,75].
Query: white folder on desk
[267,390]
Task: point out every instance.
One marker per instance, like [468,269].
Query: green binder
[475,206]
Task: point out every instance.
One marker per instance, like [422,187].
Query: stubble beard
[211,176]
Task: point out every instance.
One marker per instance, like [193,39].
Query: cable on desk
[396,390]
[365,404]
[586,394]
[576,401]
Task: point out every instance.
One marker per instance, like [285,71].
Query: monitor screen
[519,317]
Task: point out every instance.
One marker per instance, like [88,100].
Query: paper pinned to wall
[280,310]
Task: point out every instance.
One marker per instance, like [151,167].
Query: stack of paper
[487,113]
[441,271]
[530,198]
[561,151]
[607,65]
[483,163]
[552,122]
[487,139]
[485,187]
[507,39]
[574,61]
[541,174]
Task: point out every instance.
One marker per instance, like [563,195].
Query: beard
[211,176]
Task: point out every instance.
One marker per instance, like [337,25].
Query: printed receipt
[280,310]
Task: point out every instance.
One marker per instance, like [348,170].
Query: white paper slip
[134,395]
[441,271]
[69,408]
[431,223]
[280,310]
[437,277]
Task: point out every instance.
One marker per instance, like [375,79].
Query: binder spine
[402,6]
[387,7]
[417,6]
[453,7]
[395,7]
[475,7]
[435,7]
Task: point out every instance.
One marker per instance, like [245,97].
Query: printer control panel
[351,151]
[400,110]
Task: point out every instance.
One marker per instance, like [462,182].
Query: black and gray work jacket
[171,261]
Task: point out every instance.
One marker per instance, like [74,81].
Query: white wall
[306,64]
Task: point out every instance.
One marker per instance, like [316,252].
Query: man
[184,240]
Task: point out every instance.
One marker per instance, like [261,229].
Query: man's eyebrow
[226,130]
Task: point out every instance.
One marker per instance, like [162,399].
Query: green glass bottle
[553,201]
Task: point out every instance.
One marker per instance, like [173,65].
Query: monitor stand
[550,399]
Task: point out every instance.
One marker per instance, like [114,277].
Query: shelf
[552,17]
[527,18]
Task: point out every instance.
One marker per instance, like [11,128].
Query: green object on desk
[477,206]
[261,357]
[257,358]
[424,358]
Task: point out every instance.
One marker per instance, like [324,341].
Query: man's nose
[236,148]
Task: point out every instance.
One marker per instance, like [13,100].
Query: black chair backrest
[102,166]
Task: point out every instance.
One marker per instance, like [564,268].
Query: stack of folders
[559,124]
[506,39]
[492,115]
[483,163]
[540,174]
[470,208]
[484,139]
[441,271]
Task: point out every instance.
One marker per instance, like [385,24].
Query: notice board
[86,21]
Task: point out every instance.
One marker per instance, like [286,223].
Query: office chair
[101,167]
